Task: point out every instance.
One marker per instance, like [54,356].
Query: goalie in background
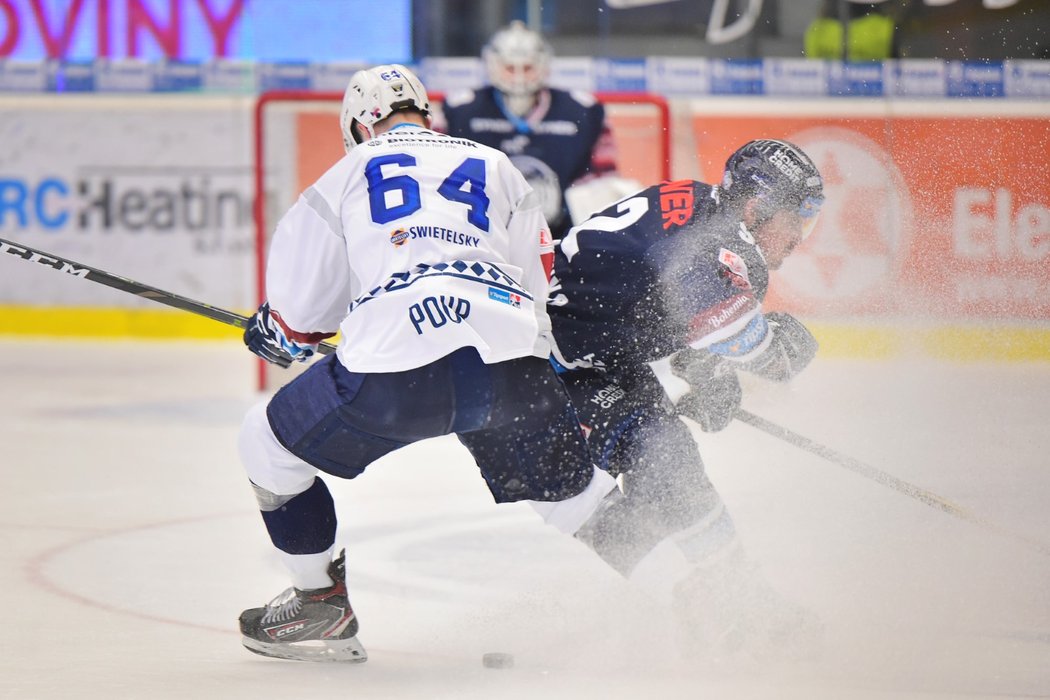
[431,256]
[558,139]
[680,270]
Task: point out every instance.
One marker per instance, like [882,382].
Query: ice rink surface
[132,542]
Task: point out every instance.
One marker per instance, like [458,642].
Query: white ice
[132,542]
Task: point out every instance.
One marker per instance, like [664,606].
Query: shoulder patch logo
[735,268]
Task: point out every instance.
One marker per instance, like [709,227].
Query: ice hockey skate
[312,625]
[726,617]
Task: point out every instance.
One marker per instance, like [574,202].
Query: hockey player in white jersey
[431,256]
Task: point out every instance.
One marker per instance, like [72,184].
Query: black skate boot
[315,625]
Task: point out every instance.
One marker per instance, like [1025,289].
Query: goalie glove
[714,390]
[265,337]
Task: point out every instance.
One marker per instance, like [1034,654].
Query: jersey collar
[404,125]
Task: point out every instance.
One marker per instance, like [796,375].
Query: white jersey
[413,245]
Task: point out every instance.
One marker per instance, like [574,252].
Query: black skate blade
[340,650]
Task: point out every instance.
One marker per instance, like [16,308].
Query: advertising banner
[201,30]
[670,76]
[931,214]
[155,189]
[937,212]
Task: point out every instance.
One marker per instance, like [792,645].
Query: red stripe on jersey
[547,252]
[297,337]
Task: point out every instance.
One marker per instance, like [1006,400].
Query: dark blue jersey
[657,272]
[563,139]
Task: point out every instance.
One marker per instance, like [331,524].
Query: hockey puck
[495,659]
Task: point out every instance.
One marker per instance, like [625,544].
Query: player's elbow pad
[791,349]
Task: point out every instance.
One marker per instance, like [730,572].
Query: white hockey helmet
[517,60]
[376,93]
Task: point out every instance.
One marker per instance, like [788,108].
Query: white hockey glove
[714,390]
[265,337]
[792,348]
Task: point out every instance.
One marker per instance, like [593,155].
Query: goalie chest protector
[552,148]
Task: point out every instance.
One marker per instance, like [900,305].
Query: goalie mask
[517,60]
[376,93]
[779,175]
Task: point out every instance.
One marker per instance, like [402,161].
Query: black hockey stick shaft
[899,485]
[123,284]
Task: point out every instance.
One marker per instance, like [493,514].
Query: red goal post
[297,138]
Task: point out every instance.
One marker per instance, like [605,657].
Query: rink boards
[934,240]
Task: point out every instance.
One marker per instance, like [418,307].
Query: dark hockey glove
[714,390]
[265,337]
[791,349]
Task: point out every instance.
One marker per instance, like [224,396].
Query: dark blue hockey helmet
[777,173]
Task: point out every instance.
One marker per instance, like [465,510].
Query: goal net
[297,138]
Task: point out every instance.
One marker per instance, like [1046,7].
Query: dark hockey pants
[634,431]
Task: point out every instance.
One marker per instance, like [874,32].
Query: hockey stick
[70,267]
[881,477]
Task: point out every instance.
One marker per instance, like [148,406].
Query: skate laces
[283,606]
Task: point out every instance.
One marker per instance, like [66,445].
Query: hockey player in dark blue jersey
[558,139]
[680,270]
